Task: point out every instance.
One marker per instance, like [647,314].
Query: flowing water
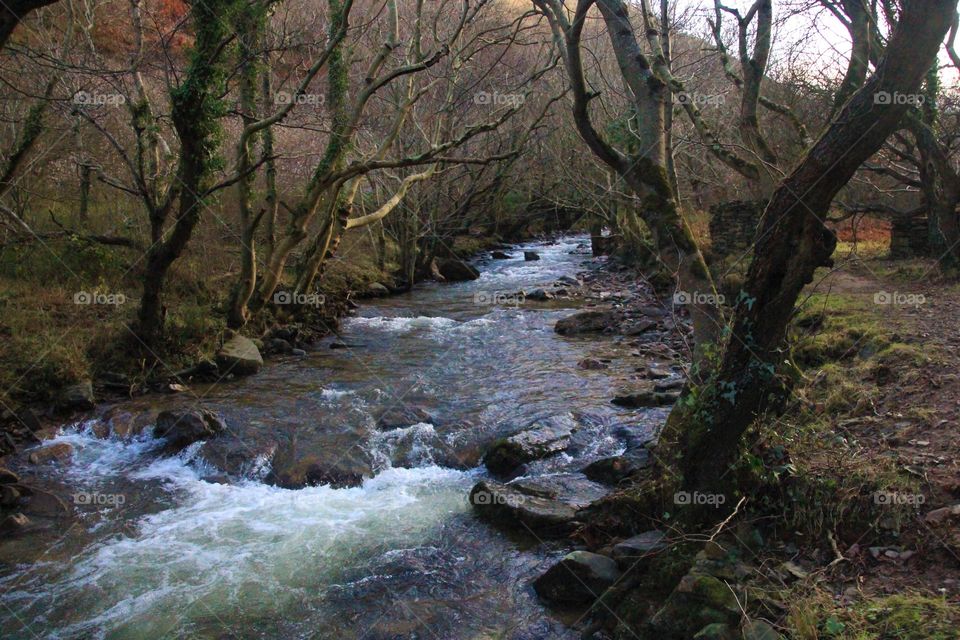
[163,548]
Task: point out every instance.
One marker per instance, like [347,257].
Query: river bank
[340,479]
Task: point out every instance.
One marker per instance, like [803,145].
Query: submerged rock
[239,356]
[541,439]
[588,322]
[183,429]
[508,506]
[580,577]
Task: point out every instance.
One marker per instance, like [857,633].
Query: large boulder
[507,506]
[588,322]
[500,255]
[540,439]
[530,256]
[579,578]
[181,429]
[456,270]
[76,397]
[239,356]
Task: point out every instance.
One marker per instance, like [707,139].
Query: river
[166,549]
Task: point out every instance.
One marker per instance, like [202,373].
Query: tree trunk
[793,243]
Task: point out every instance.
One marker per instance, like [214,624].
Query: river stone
[637,327]
[639,546]
[183,429]
[698,600]
[580,577]
[509,507]
[456,270]
[58,452]
[76,397]
[530,256]
[500,255]
[539,295]
[239,356]
[14,524]
[402,416]
[377,290]
[655,372]
[568,281]
[614,469]
[8,477]
[299,469]
[645,398]
[540,439]
[670,384]
[587,322]
[123,424]
[9,495]
[570,488]
[238,458]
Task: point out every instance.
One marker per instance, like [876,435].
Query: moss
[905,616]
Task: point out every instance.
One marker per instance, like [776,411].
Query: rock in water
[52,453]
[579,578]
[587,322]
[539,440]
[538,294]
[183,429]
[614,469]
[239,356]
[529,256]
[456,270]
[500,255]
[509,507]
[646,398]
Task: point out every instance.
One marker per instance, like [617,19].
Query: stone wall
[909,237]
[733,226]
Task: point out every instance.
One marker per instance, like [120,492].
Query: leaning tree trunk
[706,435]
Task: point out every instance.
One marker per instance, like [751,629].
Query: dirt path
[915,424]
